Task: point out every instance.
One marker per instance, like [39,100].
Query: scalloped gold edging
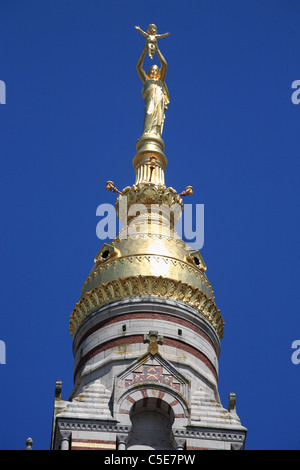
[137,286]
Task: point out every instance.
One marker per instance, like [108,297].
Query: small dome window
[196,260]
[107,252]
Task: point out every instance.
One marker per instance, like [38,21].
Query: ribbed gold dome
[148,264]
[148,258]
[148,255]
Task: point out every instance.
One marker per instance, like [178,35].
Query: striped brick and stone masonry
[145,377]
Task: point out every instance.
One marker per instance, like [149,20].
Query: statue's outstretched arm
[139,65]
[163,69]
[162,35]
[141,31]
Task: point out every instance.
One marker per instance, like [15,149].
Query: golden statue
[155,91]
[151,36]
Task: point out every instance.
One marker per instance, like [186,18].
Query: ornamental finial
[29,443]
[154,340]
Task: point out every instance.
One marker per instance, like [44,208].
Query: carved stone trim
[236,437]
[81,425]
[146,286]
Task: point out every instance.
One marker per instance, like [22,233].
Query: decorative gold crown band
[137,286]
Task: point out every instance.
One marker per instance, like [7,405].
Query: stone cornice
[229,435]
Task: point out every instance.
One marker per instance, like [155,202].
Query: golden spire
[149,258]
[150,161]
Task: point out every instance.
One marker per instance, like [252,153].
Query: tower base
[152,391]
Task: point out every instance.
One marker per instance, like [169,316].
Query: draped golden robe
[156,96]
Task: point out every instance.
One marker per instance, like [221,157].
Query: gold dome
[148,258]
[150,263]
[149,254]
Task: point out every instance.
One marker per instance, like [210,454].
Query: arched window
[152,421]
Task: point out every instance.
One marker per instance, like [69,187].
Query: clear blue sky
[72,116]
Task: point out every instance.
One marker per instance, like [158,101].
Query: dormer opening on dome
[107,252]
